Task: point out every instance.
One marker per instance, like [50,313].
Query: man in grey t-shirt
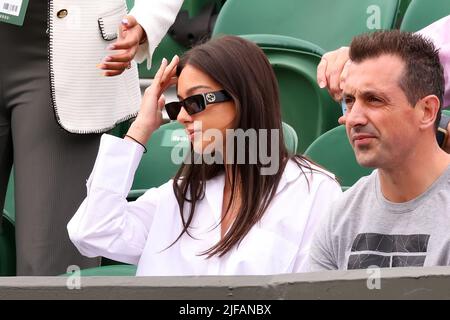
[399,216]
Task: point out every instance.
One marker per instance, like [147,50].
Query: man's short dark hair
[423,74]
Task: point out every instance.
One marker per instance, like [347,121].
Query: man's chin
[366,164]
[366,161]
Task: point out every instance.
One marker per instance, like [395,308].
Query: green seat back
[401,12]
[7,247]
[327,23]
[333,151]
[421,13]
[290,138]
[121,270]
[10,207]
[307,108]
[156,166]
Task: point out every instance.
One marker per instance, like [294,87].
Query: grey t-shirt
[363,229]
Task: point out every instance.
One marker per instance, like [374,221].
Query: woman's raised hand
[149,117]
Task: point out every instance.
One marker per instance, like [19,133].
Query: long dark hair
[245,73]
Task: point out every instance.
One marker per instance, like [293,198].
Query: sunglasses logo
[210,97]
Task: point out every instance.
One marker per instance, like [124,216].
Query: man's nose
[356,116]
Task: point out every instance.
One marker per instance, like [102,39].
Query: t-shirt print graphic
[388,251]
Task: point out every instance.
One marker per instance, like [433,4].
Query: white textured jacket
[80,32]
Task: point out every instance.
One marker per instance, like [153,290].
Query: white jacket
[140,232]
[83,99]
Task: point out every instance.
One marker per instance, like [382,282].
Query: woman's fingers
[155,87]
[158,76]
[171,69]
[110,66]
[169,83]
[169,74]
[161,102]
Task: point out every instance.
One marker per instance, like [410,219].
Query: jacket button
[62,13]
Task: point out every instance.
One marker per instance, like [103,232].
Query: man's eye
[375,100]
[349,101]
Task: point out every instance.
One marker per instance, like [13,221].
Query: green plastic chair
[7,247]
[328,23]
[333,151]
[421,13]
[308,109]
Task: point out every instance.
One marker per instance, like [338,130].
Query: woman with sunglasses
[211,219]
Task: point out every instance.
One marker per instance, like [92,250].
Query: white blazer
[79,34]
[139,232]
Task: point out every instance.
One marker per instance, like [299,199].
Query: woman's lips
[191,134]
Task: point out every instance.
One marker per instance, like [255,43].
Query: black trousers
[50,165]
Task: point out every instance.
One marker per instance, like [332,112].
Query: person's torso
[270,247]
[371,231]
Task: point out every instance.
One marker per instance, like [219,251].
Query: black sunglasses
[196,103]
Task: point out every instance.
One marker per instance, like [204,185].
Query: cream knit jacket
[83,99]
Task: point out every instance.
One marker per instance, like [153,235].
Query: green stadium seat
[290,138]
[156,166]
[401,12]
[294,44]
[421,13]
[7,247]
[333,151]
[328,23]
[121,270]
[10,207]
[307,108]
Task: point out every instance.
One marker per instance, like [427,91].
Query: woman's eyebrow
[192,89]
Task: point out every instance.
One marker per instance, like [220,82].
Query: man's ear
[428,109]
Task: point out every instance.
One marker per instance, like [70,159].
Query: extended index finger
[158,76]
[155,88]
[171,69]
